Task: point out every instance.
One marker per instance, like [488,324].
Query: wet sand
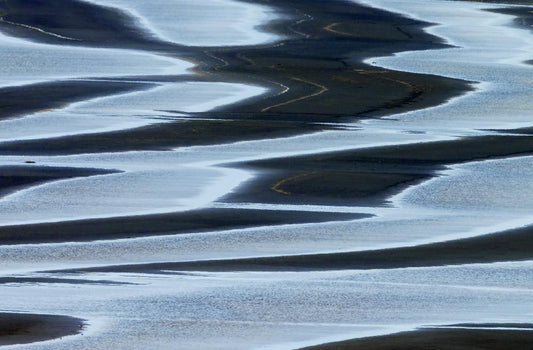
[14,178]
[85,25]
[159,137]
[440,339]
[26,99]
[368,176]
[28,328]
[202,220]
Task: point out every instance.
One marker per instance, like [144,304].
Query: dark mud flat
[510,2]
[202,220]
[16,101]
[14,178]
[513,245]
[77,23]
[524,16]
[440,339]
[161,137]
[30,328]
[368,176]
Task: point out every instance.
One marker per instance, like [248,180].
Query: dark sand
[14,178]
[84,25]
[510,2]
[22,100]
[29,328]
[160,137]
[368,176]
[17,280]
[523,15]
[202,220]
[513,245]
[440,339]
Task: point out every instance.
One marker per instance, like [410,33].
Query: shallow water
[126,111]
[258,310]
[503,98]
[206,23]
[26,62]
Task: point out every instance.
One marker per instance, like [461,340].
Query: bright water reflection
[205,23]
[25,62]
[279,310]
